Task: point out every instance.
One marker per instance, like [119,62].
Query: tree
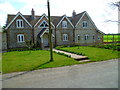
[115,5]
[28,43]
[3,28]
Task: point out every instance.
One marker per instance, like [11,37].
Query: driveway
[92,75]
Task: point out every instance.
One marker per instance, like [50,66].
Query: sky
[98,10]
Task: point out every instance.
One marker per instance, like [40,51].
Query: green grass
[110,38]
[24,61]
[94,54]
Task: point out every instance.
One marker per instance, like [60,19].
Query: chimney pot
[33,13]
[74,13]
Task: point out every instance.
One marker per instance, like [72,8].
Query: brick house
[79,29]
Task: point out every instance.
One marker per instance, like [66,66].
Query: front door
[45,40]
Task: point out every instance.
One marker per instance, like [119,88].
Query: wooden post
[50,33]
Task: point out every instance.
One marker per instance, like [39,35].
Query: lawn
[109,38]
[23,61]
[94,54]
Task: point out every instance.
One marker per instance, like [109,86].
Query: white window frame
[64,24]
[20,39]
[20,21]
[44,24]
[78,37]
[84,24]
[86,37]
[65,37]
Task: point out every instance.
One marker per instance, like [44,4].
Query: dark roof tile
[76,18]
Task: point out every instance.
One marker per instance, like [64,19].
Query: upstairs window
[65,37]
[19,23]
[20,38]
[86,37]
[64,24]
[85,24]
[44,24]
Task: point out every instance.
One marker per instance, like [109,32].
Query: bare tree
[115,5]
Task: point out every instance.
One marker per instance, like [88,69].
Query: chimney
[74,13]
[32,13]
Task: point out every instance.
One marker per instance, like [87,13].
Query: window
[86,37]
[64,24]
[98,37]
[19,23]
[44,24]
[20,38]
[65,37]
[93,37]
[85,24]
[78,37]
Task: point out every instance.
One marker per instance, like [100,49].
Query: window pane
[85,24]
[19,38]
[65,37]
[64,24]
[18,25]
[93,37]
[78,37]
[21,23]
[44,24]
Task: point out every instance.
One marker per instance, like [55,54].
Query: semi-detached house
[79,29]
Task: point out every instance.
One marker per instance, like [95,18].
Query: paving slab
[75,56]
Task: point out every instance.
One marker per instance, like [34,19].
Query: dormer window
[19,23]
[64,24]
[43,24]
[85,24]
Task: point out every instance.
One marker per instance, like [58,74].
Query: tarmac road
[92,75]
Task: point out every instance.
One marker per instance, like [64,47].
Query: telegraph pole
[50,32]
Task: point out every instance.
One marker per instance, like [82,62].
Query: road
[92,75]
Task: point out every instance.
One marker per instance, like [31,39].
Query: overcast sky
[99,10]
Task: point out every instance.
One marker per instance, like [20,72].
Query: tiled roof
[76,18]
[54,19]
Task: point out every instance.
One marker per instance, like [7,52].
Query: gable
[43,24]
[18,16]
[64,18]
[43,18]
[86,17]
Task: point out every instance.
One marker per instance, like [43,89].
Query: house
[79,29]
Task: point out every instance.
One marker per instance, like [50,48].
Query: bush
[22,49]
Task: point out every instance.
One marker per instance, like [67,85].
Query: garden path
[74,56]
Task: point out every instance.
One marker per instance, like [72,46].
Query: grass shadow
[26,71]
